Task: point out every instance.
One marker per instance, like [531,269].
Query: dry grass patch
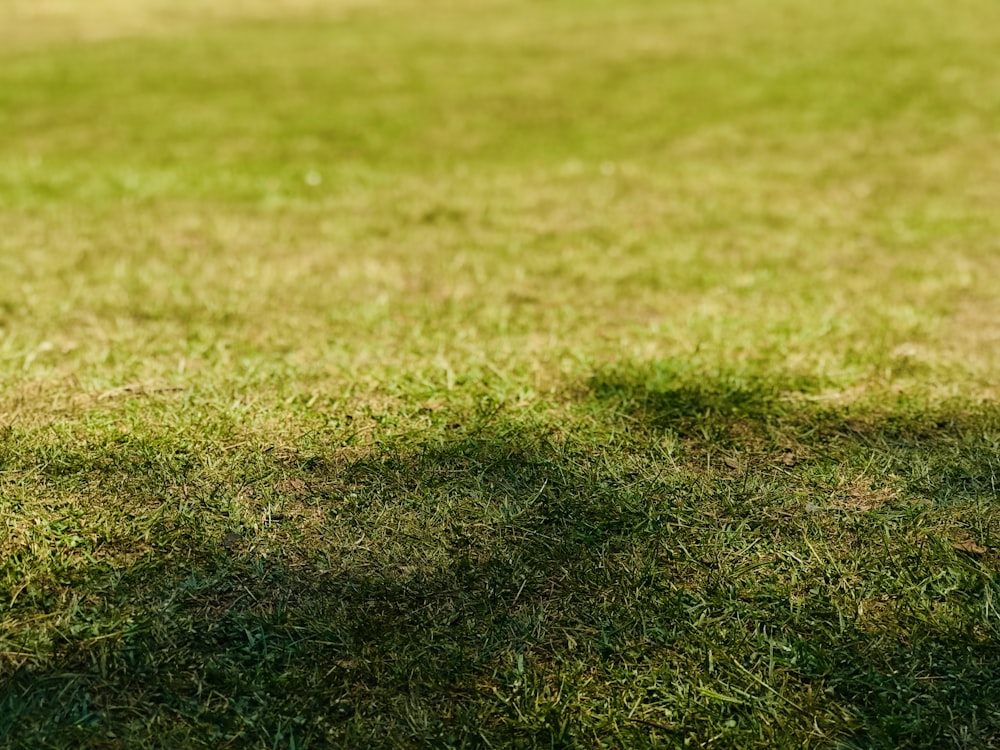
[30,24]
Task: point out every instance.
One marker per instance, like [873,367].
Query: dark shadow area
[941,452]
[895,490]
[739,564]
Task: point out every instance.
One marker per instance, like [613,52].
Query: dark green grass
[706,559]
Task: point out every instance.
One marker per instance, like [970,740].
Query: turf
[499,374]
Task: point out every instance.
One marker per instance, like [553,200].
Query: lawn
[499,373]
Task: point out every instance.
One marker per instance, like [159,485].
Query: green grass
[499,374]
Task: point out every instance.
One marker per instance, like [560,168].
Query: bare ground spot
[860,496]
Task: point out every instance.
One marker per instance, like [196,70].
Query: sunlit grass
[499,373]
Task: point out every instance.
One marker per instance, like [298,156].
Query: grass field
[495,373]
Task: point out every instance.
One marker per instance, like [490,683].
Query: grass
[499,374]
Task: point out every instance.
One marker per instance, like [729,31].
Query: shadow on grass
[896,502]
[687,559]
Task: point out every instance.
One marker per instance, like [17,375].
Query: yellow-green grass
[499,373]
